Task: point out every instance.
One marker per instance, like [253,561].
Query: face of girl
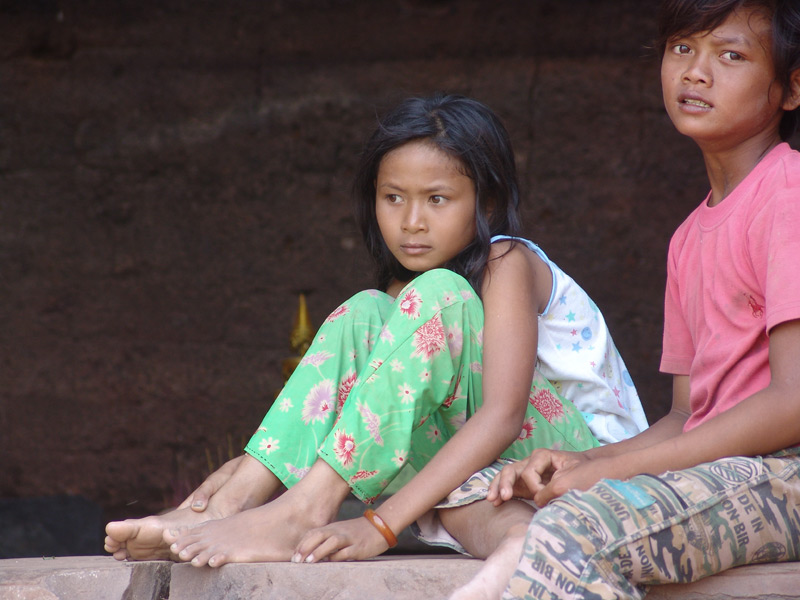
[425,205]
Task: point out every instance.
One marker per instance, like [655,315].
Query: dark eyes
[435,200]
[731,55]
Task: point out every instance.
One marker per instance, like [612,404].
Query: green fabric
[387,382]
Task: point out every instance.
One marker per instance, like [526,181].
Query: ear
[792,99]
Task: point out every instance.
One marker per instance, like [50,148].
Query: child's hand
[198,499]
[528,477]
[356,539]
[580,473]
[508,483]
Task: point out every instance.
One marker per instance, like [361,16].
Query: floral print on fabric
[387,382]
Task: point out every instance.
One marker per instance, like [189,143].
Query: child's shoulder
[772,183]
[503,244]
[517,260]
[517,252]
[761,198]
[510,251]
[787,167]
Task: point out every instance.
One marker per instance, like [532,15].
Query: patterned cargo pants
[617,538]
[387,382]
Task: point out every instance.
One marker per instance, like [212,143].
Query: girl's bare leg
[269,532]
[143,539]
[494,533]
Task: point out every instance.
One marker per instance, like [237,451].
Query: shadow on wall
[50,526]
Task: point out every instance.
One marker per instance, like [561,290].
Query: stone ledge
[774,581]
[383,578]
[428,577]
[83,578]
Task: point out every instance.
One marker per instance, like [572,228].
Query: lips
[693,100]
[414,248]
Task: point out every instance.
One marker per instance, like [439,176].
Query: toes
[121,554]
[111,545]
[171,536]
[217,560]
[183,554]
[201,558]
[187,549]
[121,531]
[182,546]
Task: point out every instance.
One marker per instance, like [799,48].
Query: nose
[414,218]
[697,71]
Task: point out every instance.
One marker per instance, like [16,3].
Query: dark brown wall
[172,173]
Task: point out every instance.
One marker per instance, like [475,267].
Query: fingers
[502,486]
[522,479]
[198,499]
[355,539]
[554,489]
[537,472]
[318,545]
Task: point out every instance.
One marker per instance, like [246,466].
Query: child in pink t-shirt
[732,277]
[716,483]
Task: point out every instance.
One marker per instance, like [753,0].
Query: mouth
[414,248]
[688,100]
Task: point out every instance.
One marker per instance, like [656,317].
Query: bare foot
[267,533]
[143,539]
[492,579]
[239,484]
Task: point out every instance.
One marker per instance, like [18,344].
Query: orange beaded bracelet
[371,516]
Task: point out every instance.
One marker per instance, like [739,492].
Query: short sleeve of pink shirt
[733,274]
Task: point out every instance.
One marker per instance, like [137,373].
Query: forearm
[669,426]
[761,424]
[664,429]
[479,442]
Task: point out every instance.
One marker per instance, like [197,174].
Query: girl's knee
[364,302]
[368,298]
[438,281]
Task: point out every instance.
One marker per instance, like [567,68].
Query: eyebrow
[436,187]
[733,40]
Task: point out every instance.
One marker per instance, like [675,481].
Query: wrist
[379,524]
[630,464]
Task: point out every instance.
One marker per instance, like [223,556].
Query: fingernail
[296,557]
[174,548]
[310,558]
[197,504]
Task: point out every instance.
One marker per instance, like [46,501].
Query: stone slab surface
[385,578]
[419,577]
[434,578]
[83,578]
[778,581]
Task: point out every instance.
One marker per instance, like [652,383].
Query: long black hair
[468,131]
[686,17]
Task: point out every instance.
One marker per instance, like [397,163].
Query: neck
[726,168]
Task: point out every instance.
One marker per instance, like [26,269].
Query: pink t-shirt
[733,274]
